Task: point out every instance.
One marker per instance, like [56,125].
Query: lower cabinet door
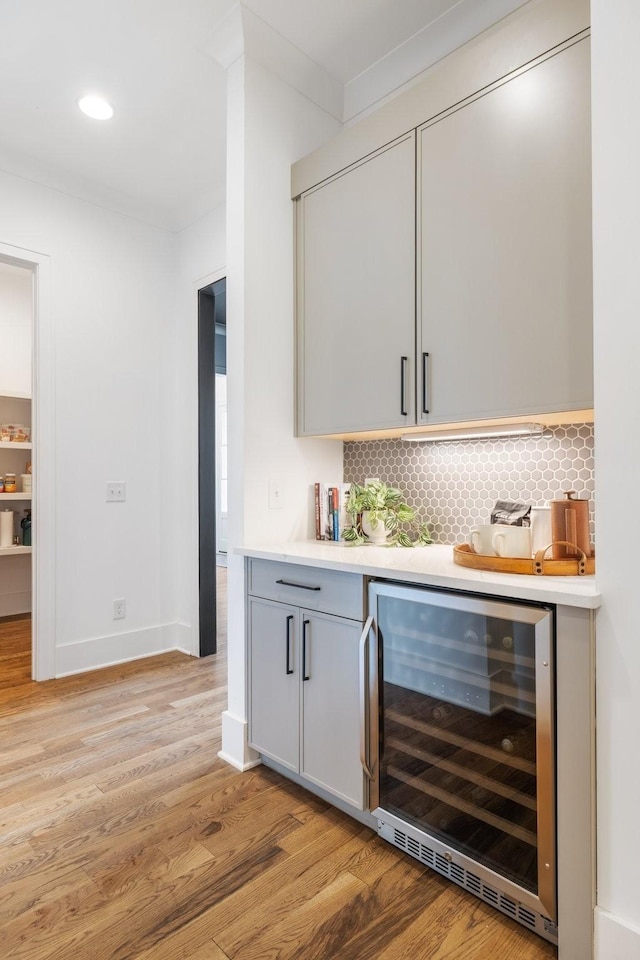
[274,681]
[330,754]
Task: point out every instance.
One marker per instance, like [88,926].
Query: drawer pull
[300,586]
[289,622]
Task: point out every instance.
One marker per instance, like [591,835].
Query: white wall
[270,126]
[616,214]
[16,308]
[200,251]
[113,285]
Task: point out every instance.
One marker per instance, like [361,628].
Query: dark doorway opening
[212,359]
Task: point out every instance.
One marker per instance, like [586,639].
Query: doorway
[16,335]
[212,460]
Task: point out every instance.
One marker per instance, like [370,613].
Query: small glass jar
[10,483]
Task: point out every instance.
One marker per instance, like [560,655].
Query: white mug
[480,539]
[510,541]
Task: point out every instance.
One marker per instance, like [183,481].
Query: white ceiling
[162,158]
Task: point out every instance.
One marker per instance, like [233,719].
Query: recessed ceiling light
[96,107]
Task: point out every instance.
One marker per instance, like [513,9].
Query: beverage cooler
[459,741]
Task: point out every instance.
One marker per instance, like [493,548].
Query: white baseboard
[184,639]
[242,767]
[13,603]
[614,938]
[235,746]
[118,648]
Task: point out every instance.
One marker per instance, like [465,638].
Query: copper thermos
[570,522]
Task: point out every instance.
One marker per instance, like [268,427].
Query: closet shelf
[14,551]
[15,496]
[14,445]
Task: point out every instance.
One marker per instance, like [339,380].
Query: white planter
[377,536]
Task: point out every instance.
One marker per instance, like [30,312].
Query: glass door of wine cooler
[465,732]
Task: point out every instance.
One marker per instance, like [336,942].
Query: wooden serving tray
[540,565]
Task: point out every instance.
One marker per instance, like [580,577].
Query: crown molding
[242,33]
[436,40]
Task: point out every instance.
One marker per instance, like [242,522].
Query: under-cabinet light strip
[477,433]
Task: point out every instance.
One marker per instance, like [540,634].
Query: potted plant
[377,512]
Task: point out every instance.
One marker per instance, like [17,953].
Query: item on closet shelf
[27,466]
[1,484]
[25,523]
[5,432]
[569,523]
[25,482]
[6,528]
[10,483]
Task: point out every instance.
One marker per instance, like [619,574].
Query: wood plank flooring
[124,837]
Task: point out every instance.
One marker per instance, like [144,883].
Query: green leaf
[404,540]
[350,535]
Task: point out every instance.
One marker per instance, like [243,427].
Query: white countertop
[431,566]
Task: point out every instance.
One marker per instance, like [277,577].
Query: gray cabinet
[304,703]
[355,240]
[494,250]
[330,732]
[504,248]
[275,680]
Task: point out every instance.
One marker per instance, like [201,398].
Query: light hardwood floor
[124,837]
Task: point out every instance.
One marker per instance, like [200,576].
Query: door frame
[194,478]
[43,636]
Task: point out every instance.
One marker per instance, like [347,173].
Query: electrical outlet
[276,488]
[116,491]
[119,609]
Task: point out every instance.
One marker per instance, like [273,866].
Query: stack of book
[331,515]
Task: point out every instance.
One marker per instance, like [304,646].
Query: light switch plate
[116,491]
[276,490]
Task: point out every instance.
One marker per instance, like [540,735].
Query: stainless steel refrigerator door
[481,693]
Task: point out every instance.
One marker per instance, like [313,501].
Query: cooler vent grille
[490,895]
[527,917]
[509,906]
[470,882]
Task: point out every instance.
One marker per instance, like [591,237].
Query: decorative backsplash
[455,484]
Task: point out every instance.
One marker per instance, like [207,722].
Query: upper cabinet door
[356,296]
[504,248]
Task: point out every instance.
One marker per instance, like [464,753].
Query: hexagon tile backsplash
[454,484]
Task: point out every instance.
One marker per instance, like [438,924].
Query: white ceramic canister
[6,528]
[540,527]
[25,482]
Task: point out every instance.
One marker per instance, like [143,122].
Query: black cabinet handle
[305,675]
[300,586]
[425,373]
[289,622]
[403,391]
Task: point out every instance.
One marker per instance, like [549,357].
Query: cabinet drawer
[329,591]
